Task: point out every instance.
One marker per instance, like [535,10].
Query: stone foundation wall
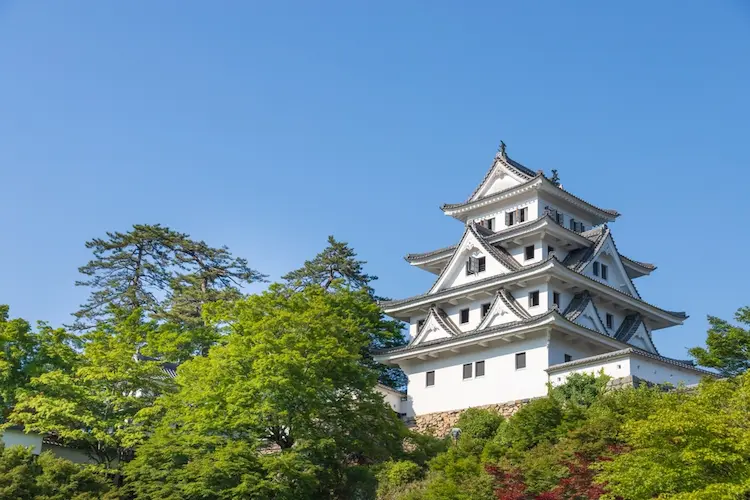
[440,423]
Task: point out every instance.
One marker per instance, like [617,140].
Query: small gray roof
[631,350]
[166,366]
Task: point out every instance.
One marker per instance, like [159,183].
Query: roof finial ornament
[501,149]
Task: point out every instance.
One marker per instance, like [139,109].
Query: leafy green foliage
[25,354]
[479,423]
[24,477]
[337,265]
[286,389]
[166,275]
[690,446]
[728,346]
[91,406]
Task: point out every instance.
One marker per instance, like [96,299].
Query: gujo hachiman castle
[536,289]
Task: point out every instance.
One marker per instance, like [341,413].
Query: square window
[556,298]
[534,298]
[485,309]
[522,214]
[479,369]
[529,252]
[430,378]
[481,264]
[610,320]
[510,218]
[467,371]
[520,360]
[568,358]
[596,269]
[464,315]
[605,271]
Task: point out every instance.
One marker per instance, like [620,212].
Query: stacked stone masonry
[440,423]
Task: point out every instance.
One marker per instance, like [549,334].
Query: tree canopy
[728,346]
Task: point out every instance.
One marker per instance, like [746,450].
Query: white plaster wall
[12,437]
[501,382]
[76,456]
[646,369]
[458,276]
[522,297]
[518,252]
[615,278]
[558,348]
[498,211]
[662,373]
[393,398]
[614,368]
[567,210]
[475,314]
[500,184]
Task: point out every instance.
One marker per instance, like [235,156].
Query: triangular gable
[618,277]
[504,309]
[635,332]
[503,174]
[436,326]
[583,311]
[473,245]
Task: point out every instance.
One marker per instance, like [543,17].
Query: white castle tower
[535,290]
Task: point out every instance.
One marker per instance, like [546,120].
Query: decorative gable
[503,174]
[583,311]
[436,326]
[604,252]
[504,309]
[635,332]
[472,260]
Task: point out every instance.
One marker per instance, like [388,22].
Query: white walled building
[535,289]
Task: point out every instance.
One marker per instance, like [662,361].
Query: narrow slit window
[481,264]
[467,371]
[556,298]
[485,309]
[479,369]
[534,298]
[430,379]
[510,218]
[595,269]
[464,315]
[522,214]
[605,271]
[529,252]
[610,320]
[520,360]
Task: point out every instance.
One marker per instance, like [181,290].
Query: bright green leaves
[728,346]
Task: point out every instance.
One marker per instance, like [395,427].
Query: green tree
[337,265]
[91,407]
[690,446]
[26,353]
[25,477]
[337,262]
[287,380]
[728,346]
[167,275]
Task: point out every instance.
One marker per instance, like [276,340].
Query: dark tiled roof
[435,296]
[511,164]
[555,188]
[630,350]
[645,265]
[464,335]
[167,367]
[495,237]
[511,303]
[628,327]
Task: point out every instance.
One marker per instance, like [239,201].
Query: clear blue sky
[266,126]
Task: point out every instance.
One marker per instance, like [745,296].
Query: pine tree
[338,264]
